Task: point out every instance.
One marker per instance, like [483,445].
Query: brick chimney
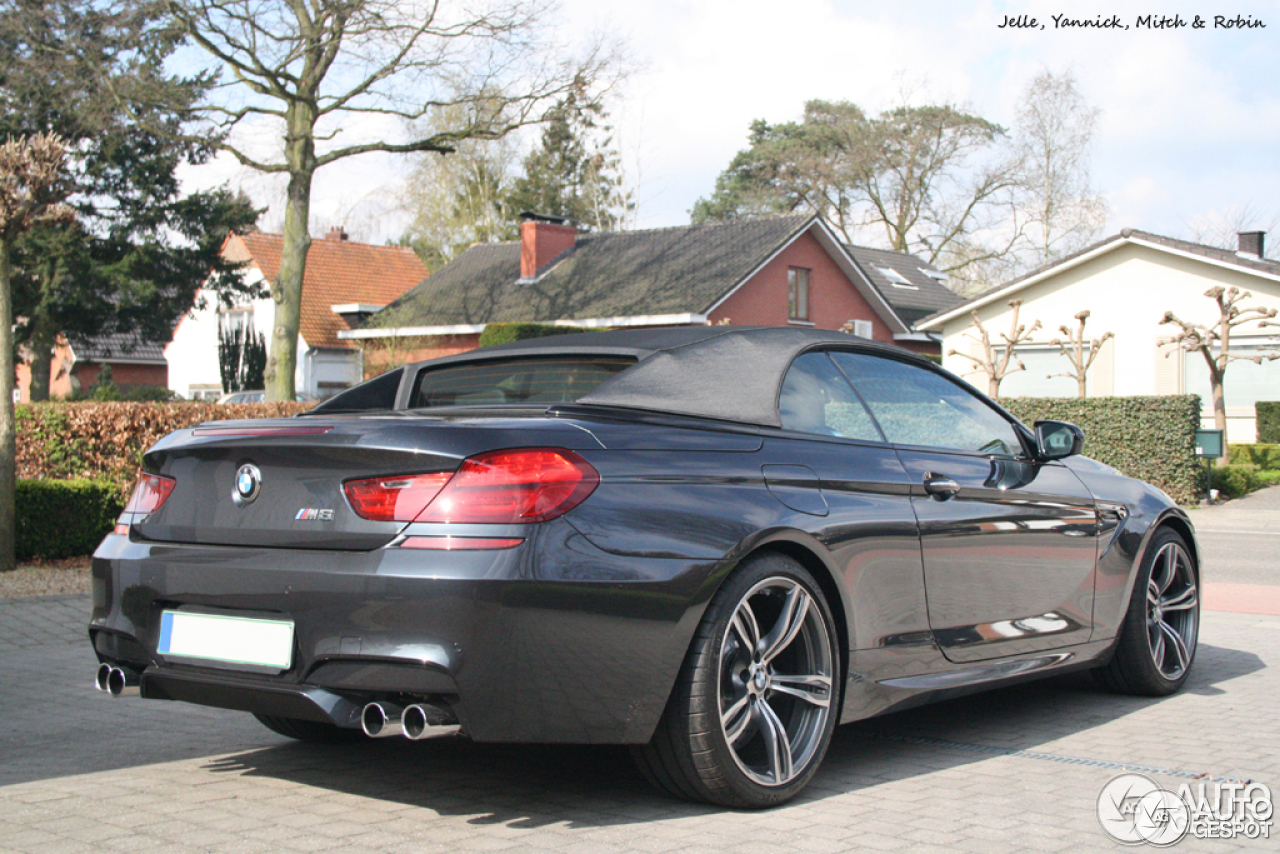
[1251,243]
[338,232]
[542,240]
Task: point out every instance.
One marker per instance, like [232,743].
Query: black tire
[774,695]
[314,732]
[1157,643]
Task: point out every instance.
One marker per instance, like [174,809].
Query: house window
[798,293]
[1046,373]
[1246,382]
[863,329]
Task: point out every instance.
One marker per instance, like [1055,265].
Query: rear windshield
[546,380]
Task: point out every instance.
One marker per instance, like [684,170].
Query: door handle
[940,486]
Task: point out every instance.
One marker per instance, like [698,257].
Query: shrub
[1259,456]
[1150,438]
[1241,479]
[105,441]
[64,518]
[1268,414]
[501,333]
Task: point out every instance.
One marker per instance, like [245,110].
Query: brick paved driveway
[1015,769]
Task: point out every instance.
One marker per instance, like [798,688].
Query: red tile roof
[338,272]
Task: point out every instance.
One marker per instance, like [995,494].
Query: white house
[1127,283]
[343,282]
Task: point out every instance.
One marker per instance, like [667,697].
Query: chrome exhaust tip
[101,678]
[420,718]
[116,681]
[382,720]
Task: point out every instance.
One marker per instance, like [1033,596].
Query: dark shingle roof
[922,294]
[1209,253]
[120,345]
[679,270]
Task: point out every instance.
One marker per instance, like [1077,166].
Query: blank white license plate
[235,640]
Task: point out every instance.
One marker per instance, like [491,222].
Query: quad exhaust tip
[382,720]
[419,718]
[116,681]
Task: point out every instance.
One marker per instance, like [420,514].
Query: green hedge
[501,333]
[1268,413]
[1241,479]
[1258,456]
[1150,438]
[64,518]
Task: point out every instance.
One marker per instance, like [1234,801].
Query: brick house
[773,271]
[344,283]
[78,360]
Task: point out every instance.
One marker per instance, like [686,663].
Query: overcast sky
[1190,124]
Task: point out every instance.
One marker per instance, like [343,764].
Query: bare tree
[1222,227]
[1054,132]
[328,75]
[461,199]
[994,364]
[33,183]
[1075,350]
[1213,341]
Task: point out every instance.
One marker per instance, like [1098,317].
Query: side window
[817,399]
[915,406]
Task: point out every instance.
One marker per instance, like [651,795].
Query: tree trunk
[1082,390]
[41,344]
[8,427]
[1219,412]
[993,387]
[286,290]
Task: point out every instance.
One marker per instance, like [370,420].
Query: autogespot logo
[1133,810]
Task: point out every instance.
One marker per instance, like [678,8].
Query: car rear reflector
[517,486]
[453,544]
[230,432]
[151,491]
[394,498]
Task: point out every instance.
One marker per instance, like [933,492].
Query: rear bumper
[552,641]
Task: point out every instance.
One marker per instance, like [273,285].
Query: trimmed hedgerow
[1150,438]
[1268,414]
[64,518]
[1260,455]
[501,333]
[1236,480]
[105,441]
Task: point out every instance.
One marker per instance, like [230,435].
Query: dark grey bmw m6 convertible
[712,543]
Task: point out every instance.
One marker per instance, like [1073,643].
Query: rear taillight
[514,487]
[394,498]
[500,487]
[151,491]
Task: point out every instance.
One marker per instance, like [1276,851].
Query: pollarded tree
[328,76]
[1213,342]
[1079,352]
[992,361]
[33,183]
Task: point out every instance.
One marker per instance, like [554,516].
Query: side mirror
[1058,439]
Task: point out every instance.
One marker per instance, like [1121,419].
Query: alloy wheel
[775,681]
[1173,611]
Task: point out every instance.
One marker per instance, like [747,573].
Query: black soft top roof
[730,373]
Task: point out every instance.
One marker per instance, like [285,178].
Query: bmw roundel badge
[248,484]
